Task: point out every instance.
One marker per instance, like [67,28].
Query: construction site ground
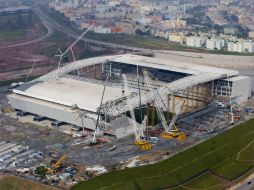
[59,140]
[53,140]
[42,136]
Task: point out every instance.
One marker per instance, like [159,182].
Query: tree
[41,171]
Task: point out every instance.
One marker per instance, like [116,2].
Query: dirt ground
[16,62]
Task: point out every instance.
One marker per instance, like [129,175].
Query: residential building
[251,34]
[194,41]
[215,43]
[231,30]
[177,37]
[241,46]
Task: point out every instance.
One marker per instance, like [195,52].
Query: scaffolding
[176,88]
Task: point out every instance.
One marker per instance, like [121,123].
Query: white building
[102,30]
[215,44]
[248,46]
[194,41]
[233,87]
[241,47]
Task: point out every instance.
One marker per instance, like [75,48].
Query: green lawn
[232,169]
[247,154]
[137,41]
[7,35]
[16,26]
[182,167]
[58,40]
[206,181]
[152,43]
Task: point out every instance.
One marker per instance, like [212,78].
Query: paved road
[48,34]
[70,33]
[247,185]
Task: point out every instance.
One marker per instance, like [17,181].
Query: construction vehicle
[57,164]
[140,139]
[170,131]
[50,171]
[7,109]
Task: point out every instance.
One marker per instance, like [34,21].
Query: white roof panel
[69,92]
[177,66]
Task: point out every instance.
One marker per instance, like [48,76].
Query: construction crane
[180,135]
[56,165]
[140,139]
[170,131]
[72,45]
[81,115]
[59,162]
[97,130]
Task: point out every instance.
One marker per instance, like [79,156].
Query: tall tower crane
[170,131]
[72,45]
[140,139]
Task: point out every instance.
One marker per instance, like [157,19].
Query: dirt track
[16,62]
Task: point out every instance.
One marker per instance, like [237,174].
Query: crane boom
[134,125]
[74,43]
[158,100]
[94,141]
[58,163]
[170,130]
[140,139]
[175,117]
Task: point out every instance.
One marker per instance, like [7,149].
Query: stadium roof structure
[176,66]
[54,87]
[69,92]
[165,64]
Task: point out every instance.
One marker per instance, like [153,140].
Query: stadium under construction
[91,92]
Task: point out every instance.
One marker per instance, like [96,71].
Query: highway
[70,33]
[246,184]
[50,31]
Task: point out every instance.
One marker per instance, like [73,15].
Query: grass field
[217,154]
[231,169]
[16,26]
[152,43]
[14,183]
[206,180]
[7,35]
[247,154]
